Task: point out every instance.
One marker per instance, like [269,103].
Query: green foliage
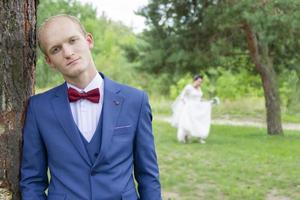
[191,36]
[207,88]
[289,87]
[236,85]
[236,163]
[155,85]
[196,33]
[181,83]
[225,84]
[233,79]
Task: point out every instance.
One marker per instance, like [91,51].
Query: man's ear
[90,40]
[48,61]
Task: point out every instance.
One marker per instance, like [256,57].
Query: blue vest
[93,147]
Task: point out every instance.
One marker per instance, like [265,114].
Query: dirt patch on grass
[273,195]
[207,191]
[171,196]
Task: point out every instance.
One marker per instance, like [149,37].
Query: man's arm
[145,161]
[34,179]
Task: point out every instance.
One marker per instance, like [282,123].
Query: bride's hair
[198,76]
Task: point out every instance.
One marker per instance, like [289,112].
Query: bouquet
[215,101]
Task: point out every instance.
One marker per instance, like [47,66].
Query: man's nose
[67,51]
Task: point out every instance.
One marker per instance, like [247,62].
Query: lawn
[236,163]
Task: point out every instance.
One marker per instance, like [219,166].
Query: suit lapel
[63,113]
[112,105]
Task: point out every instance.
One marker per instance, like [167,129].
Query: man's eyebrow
[73,37]
[66,40]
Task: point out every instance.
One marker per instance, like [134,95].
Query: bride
[192,116]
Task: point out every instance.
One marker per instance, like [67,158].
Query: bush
[224,84]
[289,85]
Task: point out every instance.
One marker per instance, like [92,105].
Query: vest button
[93,173]
[96,155]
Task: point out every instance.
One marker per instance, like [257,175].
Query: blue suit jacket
[127,149]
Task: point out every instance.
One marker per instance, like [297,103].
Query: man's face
[66,47]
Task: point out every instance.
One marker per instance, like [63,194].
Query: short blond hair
[49,19]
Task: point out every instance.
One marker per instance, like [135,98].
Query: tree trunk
[264,66]
[17,63]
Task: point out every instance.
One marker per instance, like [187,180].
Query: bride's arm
[185,92]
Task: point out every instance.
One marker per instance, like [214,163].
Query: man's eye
[54,50]
[73,40]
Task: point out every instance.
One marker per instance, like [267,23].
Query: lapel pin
[116,102]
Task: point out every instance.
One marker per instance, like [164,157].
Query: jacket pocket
[130,195]
[122,126]
[121,130]
[56,196]
[123,134]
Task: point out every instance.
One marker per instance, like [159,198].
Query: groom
[93,134]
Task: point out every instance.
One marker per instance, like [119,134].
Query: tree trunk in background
[17,64]
[264,66]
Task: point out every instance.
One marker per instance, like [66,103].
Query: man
[93,134]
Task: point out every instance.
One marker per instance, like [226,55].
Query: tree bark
[264,65]
[17,65]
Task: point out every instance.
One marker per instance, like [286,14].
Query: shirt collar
[97,82]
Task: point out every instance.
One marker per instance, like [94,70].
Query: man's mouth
[72,61]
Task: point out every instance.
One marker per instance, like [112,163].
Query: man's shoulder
[131,94]
[48,93]
[124,88]
[129,88]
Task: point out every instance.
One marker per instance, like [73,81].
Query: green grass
[236,163]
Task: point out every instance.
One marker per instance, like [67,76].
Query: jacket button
[93,173]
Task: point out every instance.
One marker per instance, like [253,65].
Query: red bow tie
[92,95]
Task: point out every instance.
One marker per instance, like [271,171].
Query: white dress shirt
[86,114]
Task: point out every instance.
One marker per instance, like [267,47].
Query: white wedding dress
[191,115]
